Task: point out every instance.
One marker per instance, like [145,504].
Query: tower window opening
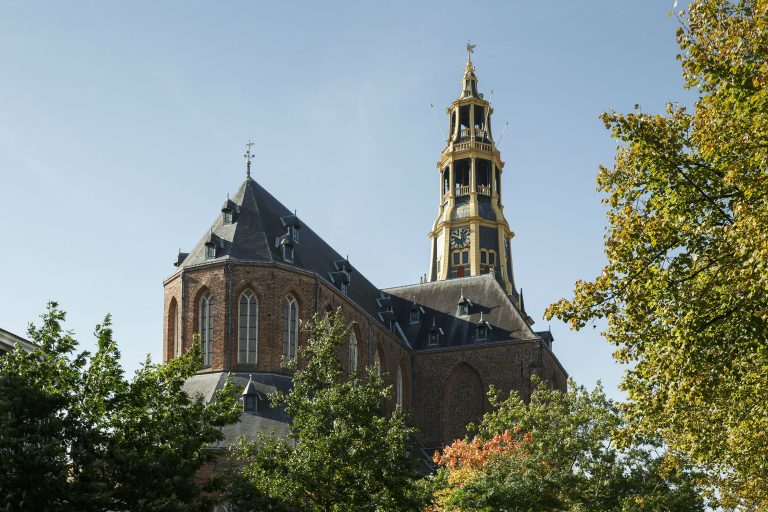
[480,131]
[483,170]
[462,169]
[464,123]
[446,181]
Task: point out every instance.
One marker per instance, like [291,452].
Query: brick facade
[271,283]
[443,390]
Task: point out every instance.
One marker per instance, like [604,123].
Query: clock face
[460,238]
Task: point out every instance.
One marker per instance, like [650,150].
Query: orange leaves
[477,453]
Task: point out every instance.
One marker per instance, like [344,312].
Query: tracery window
[248,328]
[206,327]
[290,327]
[352,352]
[399,387]
[377,361]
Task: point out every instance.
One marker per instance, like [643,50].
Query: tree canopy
[76,435]
[343,453]
[685,289]
[556,453]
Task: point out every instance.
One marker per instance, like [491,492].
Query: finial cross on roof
[247,157]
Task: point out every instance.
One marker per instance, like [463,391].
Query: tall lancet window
[290,327]
[399,387]
[352,352]
[248,328]
[206,328]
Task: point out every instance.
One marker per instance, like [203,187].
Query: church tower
[470,236]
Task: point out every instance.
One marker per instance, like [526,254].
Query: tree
[76,435]
[684,289]
[556,454]
[344,453]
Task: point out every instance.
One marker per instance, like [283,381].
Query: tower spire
[247,157]
[471,236]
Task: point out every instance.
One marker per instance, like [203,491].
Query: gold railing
[463,146]
[484,190]
[462,190]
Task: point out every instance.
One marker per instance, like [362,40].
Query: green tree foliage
[556,454]
[344,453]
[685,289]
[76,435]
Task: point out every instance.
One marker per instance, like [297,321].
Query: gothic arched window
[174,337]
[248,328]
[206,327]
[399,387]
[377,361]
[352,352]
[290,327]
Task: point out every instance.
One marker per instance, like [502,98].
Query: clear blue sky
[122,127]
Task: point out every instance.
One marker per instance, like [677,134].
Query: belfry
[470,236]
[259,271]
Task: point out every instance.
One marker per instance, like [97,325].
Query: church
[259,270]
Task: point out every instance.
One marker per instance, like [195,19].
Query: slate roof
[268,419]
[438,302]
[259,219]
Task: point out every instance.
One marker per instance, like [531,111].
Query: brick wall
[271,284]
[450,386]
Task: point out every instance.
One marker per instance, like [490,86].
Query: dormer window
[463,309]
[292,226]
[344,288]
[415,315]
[228,211]
[483,328]
[293,231]
[210,251]
[285,243]
[250,396]
[287,253]
[433,337]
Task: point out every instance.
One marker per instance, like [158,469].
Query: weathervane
[470,50]
[248,156]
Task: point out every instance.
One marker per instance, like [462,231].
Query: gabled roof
[261,220]
[440,299]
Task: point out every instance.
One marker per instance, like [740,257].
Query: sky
[123,125]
